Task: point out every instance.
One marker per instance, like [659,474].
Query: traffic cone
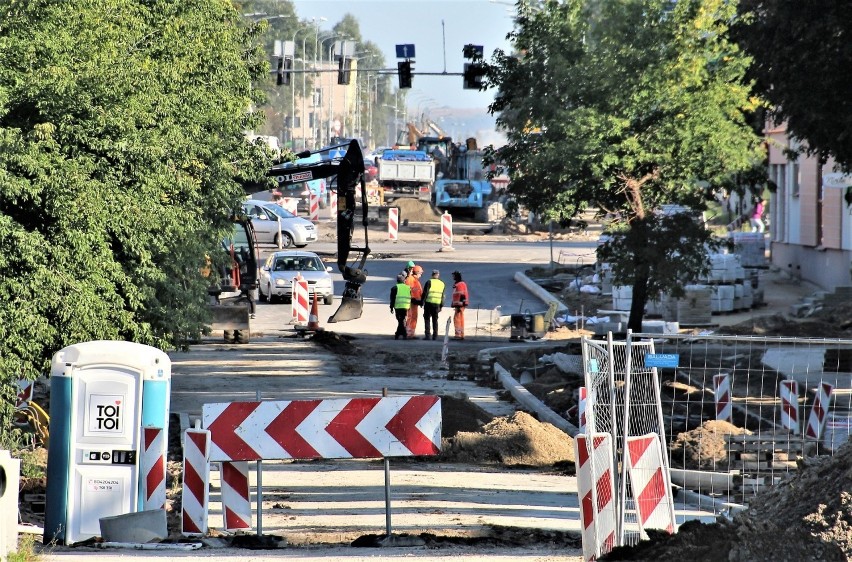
[313,318]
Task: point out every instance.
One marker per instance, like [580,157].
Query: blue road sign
[405,51]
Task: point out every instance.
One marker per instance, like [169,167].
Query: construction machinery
[233,289]
[463,185]
[349,170]
[406,173]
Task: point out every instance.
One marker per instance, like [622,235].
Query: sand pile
[704,448]
[519,440]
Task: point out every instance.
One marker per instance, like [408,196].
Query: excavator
[349,170]
[232,295]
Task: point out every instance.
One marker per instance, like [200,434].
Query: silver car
[272,221]
[279,269]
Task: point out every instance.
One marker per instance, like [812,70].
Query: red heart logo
[118,402]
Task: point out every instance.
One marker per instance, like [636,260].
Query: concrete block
[139,527]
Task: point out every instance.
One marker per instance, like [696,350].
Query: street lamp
[293,94]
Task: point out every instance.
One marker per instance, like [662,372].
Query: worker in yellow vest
[400,302]
[433,302]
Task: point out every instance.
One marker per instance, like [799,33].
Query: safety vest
[459,290]
[436,291]
[403,296]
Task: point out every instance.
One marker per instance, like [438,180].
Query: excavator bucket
[351,302]
[351,307]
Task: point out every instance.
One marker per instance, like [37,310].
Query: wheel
[328,299]
[242,336]
[286,240]
[230,336]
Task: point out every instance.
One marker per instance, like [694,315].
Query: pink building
[811,224]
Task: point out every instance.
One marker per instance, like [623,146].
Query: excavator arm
[350,176]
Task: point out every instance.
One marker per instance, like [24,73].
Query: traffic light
[344,71]
[285,65]
[473,74]
[404,70]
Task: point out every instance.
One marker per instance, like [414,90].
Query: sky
[390,22]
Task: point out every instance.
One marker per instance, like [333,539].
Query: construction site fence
[735,413]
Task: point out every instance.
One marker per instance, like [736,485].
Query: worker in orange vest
[413,281]
[461,298]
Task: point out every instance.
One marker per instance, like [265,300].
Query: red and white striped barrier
[291,204]
[650,484]
[299,300]
[25,393]
[313,206]
[596,490]
[581,410]
[153,461]
[332,206]
[196,482]
[446,231]
[391,426]
[816,420]
[722,395]
[789,393]
[393,224]
[236,503]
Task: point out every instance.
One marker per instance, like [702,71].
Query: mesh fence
[624,402]
[739,411]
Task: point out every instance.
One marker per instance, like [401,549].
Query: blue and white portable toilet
[102,393]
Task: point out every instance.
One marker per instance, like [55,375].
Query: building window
[794,179]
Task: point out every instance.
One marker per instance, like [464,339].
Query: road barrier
[299,300]
[153,479]
[816,421]
[789,394]
[596,492]
[722,396]
[446,232]
[393,224]
[650,484]
[196,482]
[313,205]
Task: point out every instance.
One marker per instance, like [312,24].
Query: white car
[279,269]
[272,221]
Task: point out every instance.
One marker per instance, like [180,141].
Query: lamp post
[293,94]
[330,36]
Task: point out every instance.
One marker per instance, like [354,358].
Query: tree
[802,56]
[121,152]
[627,107]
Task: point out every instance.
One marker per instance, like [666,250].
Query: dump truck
[406,173]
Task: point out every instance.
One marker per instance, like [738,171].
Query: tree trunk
[639,299]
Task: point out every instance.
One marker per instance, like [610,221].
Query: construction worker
[413,281]
[400,302]
[433,302]
[460,302]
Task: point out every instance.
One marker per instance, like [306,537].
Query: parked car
[267,218]
[279,269]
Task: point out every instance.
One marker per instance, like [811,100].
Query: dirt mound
[414,210]
[807,516]
[704,447]
[834,321]
[519,440]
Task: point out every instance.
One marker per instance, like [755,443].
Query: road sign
[332,429]
[405,51]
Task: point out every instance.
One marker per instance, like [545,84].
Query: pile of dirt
[519,440]
[704,448]
[414,210]
[807,516]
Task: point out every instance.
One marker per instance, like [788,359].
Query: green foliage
[626,107]
[121,153]
[802,56]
